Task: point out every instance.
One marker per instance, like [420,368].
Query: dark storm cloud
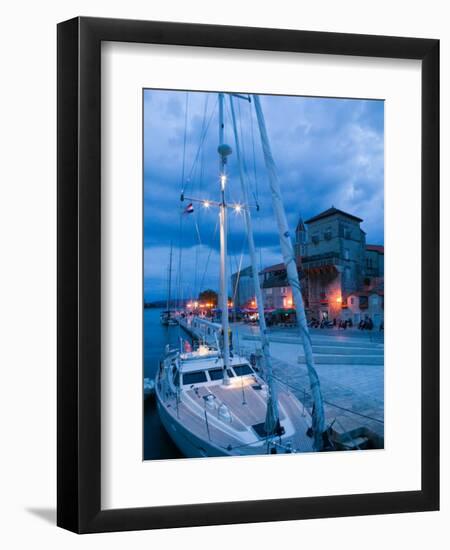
[328,152]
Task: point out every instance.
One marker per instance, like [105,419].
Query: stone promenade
[350,365]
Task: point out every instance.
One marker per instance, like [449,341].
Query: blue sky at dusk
[328,152]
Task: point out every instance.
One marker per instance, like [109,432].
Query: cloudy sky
[328,152]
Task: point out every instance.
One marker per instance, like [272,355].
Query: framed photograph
[248,260]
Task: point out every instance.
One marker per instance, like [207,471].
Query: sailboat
[214,402]
[167,318]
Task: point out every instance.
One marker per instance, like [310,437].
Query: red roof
[375,248]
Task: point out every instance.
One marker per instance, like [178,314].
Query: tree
[209,296]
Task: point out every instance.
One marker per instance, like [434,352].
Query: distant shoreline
[162,304]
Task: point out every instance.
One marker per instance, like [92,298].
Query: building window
[268,291]
[347,233]
[315,238]
[283,291]
[347,275]
[346,254]
[352,300]
[327,234]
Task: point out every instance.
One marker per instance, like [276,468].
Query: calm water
[157,444]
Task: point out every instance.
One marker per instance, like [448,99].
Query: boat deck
[248,408]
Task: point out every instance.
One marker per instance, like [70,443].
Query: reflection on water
[157,444]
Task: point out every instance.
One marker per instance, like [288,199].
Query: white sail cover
[318,419]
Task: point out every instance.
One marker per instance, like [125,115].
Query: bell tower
[300,239]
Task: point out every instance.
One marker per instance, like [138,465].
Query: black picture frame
[79,277]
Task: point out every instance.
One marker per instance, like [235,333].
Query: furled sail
[318,419]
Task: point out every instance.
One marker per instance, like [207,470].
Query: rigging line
[203,139]
[195,273]
[243,155]
[197,213]
[231,270]
[258,224]
[202,158]
[254,155]
[198,232]
[242,142]
[180,254]
[243,148]
[239,267]
[180,228]
[309,395]
[238,270]
[209,255]
[184,139]
[231,197]
[254,191]
[197,165]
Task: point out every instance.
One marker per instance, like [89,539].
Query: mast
[272,417]
[318,420]
[170,283]
[223,150]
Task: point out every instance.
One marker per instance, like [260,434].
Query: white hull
[168,321]
[188,443]
[209,418]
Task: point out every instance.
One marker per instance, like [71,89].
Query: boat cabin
[200,371]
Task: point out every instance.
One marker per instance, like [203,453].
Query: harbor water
[157,444]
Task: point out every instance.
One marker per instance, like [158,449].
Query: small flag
[189,209]
[187,347]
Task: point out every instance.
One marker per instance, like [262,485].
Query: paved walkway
[353,391]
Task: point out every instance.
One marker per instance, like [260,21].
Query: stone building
[242,286]
[334,264]
[334,260]
[276,291]
[368,302]
[374,260]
